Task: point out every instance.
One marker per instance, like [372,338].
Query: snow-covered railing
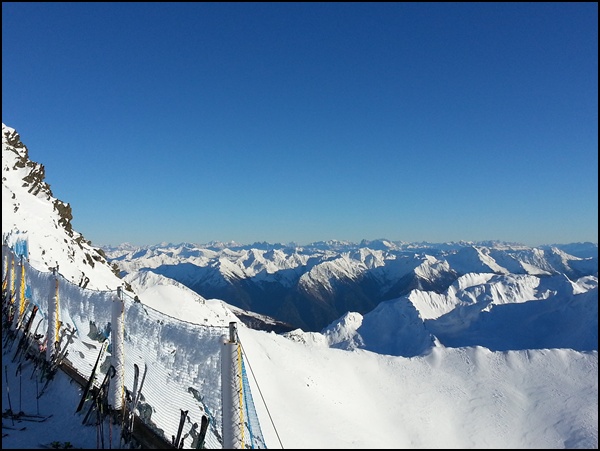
[181,359]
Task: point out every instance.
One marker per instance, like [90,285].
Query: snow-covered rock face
[16,160]
[31,214]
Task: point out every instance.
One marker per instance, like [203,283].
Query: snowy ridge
[416,323]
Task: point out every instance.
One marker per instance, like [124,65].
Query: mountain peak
[44,222]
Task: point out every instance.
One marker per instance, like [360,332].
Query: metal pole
[230,391]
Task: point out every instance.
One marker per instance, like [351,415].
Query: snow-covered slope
[178,301]
[500,312]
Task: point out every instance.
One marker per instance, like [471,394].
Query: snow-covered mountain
[311,286]
[466,345]
[450,290]
[28,207]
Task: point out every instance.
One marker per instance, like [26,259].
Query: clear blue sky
[302,122]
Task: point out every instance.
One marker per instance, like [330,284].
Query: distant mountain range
[311,286]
